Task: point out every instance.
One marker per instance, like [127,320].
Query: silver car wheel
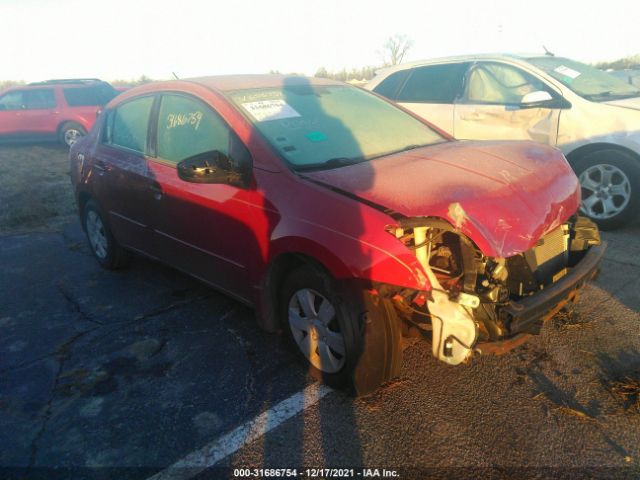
[606,191]
[313,323]
[71,136]
[97,235]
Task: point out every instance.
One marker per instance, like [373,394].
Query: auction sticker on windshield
[567,72]
[265,110]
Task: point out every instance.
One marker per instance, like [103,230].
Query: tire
[103,245]
[610,183]
[70,133]
[357,340]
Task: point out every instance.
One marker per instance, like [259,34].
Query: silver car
[592,116]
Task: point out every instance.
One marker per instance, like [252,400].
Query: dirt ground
[121,374]
[35,192]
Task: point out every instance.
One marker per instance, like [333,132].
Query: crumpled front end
[487,304]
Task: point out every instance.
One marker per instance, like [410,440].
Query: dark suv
[62,110]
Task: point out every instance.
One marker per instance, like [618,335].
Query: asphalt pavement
[123,374]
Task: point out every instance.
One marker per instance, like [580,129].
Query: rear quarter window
[89,96]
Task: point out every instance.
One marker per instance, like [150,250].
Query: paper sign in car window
[567,72]
[265,110]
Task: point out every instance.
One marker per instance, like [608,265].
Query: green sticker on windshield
[316,136]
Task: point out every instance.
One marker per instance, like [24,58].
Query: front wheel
[610,183]
[352,343]
[103,245]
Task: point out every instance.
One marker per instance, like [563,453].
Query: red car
[342,218]
[62,110]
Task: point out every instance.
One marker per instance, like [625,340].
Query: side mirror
[536,98]
[211,167]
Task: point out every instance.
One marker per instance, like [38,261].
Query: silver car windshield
[586,81]
[329,126]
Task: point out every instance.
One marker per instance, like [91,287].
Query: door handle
[474,116]
[156,189]
[100,167]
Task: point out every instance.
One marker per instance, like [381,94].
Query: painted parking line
[194,463]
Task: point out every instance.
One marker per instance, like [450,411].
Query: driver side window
[501,84]
[12,101]
[187,127]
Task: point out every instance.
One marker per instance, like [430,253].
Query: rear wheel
[103,245]
[71,132]
[610,181]
[353,344]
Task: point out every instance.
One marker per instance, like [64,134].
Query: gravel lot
[121,374]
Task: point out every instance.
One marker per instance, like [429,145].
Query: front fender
[347,260]
[345,256]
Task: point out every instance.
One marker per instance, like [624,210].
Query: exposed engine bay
[478,300]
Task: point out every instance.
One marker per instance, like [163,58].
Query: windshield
[328,126]
[586,81]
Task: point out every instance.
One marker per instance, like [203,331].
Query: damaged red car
[344,220]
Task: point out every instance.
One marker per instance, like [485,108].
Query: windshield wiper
[610,95]
[329,164]
[413,146]
[338,162]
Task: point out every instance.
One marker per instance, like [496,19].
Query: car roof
[460,58]
[68,81]
[63,82]
[243,82]
[225,83]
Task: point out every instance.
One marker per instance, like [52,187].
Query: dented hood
[502,195]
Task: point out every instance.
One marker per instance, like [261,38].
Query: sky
[124,39]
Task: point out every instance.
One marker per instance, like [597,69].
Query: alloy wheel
[606,191]
[71,136]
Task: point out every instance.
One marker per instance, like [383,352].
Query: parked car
[341,218]
[62,110]
[590,115]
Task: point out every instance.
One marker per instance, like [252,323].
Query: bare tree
[322,73]
[395,48]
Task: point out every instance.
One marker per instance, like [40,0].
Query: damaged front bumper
[483,304]
[526,316]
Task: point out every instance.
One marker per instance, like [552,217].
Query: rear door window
[188,127]
[128,125]
[434,84]
[389,86]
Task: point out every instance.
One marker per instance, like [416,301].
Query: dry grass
[626,389]
[568,320]
[35,189]
[575,413]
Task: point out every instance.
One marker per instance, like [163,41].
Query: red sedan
[342,218]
